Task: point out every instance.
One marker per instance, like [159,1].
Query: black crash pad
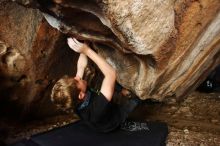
[78,134]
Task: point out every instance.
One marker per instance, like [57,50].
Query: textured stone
[160,49]
[31,59]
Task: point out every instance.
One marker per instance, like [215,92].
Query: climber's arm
[108,83]
[81,65]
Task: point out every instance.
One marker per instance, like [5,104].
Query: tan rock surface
[161,48]
[31,59]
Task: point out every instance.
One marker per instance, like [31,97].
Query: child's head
[65,93]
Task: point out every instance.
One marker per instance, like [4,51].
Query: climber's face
[82,86]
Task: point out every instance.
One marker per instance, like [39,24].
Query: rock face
[160,49]
[30,59]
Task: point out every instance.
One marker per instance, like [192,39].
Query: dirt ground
[193,121]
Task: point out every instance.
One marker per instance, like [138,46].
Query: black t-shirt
[100,114]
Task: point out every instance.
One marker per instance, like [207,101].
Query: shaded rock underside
[160,49]
[165,48]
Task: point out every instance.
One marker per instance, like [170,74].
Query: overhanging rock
[160,49]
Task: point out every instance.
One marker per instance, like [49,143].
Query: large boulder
[160,49]
[32,56]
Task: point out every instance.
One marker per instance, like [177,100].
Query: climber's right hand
[77,46]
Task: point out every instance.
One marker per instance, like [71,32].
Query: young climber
[95,108]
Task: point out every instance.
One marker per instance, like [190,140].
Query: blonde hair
[64,92]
